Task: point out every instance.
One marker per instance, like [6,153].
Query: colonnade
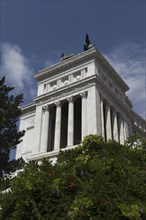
[75,125]
[114,125]
[64,123]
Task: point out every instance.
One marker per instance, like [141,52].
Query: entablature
[28,109]
[109,72]
[66,91]
[139,122]
[65,65]
[114,100]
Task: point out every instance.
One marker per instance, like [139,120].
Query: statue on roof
[63,56]
[87,44]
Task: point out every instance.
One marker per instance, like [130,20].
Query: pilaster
[37,130]
[45,129]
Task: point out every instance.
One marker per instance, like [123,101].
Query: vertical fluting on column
[84,114]
[126,130]
[98,112]
[115,126]
[37,130]
[102,118]
[121,130]
[108,122]
[45,129]
[70,133]
[57,126]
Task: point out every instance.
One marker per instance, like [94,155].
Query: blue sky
[34,34]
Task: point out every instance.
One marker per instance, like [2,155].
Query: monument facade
[80,95]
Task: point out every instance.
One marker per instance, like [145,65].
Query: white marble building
[78,96]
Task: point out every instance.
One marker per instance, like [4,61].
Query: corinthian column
[45,129]
[121,130]
[126,130]
[115,126]
[108,122]
[57,126]
[102,118]
[84,114]
[37,130]
[70,134]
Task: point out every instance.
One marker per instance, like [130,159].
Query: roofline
[114,73]
[137,116]
[91,53]
[65,63]
[28,107]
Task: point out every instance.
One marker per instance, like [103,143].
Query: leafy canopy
[95,181]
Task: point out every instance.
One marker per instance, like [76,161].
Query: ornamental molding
[58,103]
[66,64]
[107,95]
[26,113]
[28,110]
[45,108]
[83,94]
[50,98]
[106,66]
[70,99]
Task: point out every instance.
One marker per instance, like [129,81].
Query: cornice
[107,66]
[61,93]
[41,156]
[135,115]
[92,53]
[142,132]
[66,91]
[28,108]
[65,64]
[110,97]
[50,154]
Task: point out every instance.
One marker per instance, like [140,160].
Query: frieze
[70,99]
[69,92]
[62,66]
[83,94]
[27,112]
[45,108]
[112,99]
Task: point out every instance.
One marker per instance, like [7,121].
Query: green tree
[9,115]
[95,181]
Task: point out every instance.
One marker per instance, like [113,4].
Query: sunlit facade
[78,96]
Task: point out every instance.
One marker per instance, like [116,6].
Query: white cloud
[130,62]
[16,68]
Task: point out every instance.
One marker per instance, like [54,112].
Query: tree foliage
[95,181]
[9,115]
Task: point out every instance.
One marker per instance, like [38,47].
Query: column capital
[108,105]
[45,108]
[83,94]
[114,112]
[70,99]
[58,103]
